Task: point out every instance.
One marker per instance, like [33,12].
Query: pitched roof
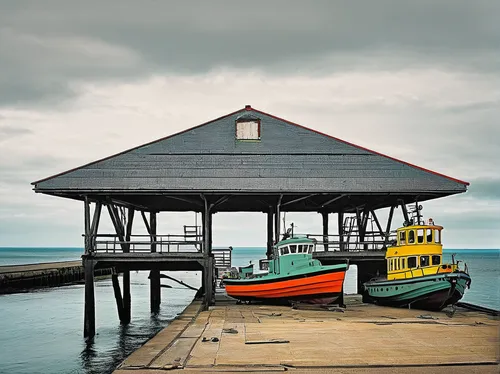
[288,158]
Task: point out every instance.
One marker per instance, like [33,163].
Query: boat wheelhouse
[417,276]
[292,275]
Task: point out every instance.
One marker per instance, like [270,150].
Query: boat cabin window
[437,236]
[412,262]
[403,263]
[311,248]
[436,260]
[389,264]
[293,248]
[429,235]
[402,238]
[424,261]
[284,251]
[420,236]
[411,236]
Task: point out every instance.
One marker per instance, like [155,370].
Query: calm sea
[41,331]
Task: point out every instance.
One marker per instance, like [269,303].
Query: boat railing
[112,243]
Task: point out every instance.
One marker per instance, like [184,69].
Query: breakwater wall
[17,278]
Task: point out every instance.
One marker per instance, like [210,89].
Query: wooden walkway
[361,338]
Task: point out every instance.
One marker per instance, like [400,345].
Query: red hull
[301,288]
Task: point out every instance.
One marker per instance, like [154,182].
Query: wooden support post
[340,300]
[341,230]
[325,230]
[375,218]
[95,225]
[154,281]
[127,302]
[118,296]
[208,266]
[388,229]
[404,210]
[89,314]
[277,223]
[86,211]
[364,220]
[270,233]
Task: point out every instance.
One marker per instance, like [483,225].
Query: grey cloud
[487,189]
[196,37]
[7,131]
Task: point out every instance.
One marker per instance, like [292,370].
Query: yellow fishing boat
[416,273]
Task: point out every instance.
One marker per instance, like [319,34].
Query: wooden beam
[325,230]
[277,217]
[118,296]
[270,233]
[148,229]
[404,210]
[340,223]
[388,229]
[86,211]
[113,214]
[326,203]
[186,200]
[375,218]
[298,199]
[95,224]
[154,281]
[128,230]
[89,308]
[207,252]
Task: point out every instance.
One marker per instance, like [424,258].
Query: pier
[245,161]
[18,278]
[361,338]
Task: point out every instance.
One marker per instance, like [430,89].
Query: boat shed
[247,161]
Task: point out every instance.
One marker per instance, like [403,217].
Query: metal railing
[371,242]
[111,243]
[222,257]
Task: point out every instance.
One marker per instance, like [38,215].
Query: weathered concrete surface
[363,338]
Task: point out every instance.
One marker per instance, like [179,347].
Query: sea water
[41,331]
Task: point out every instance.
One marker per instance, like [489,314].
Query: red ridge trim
[249,108]
[365,149]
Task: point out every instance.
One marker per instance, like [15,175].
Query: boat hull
[322,286]
[432,292]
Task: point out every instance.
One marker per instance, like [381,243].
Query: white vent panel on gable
[247,130]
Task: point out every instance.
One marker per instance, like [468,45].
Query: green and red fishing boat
[293,275]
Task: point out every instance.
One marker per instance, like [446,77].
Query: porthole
[387,289]
[396,288]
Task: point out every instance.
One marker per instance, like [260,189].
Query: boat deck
[361,338]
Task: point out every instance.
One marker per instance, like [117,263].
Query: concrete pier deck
[361,338]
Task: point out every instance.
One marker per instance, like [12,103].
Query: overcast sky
[79,81]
